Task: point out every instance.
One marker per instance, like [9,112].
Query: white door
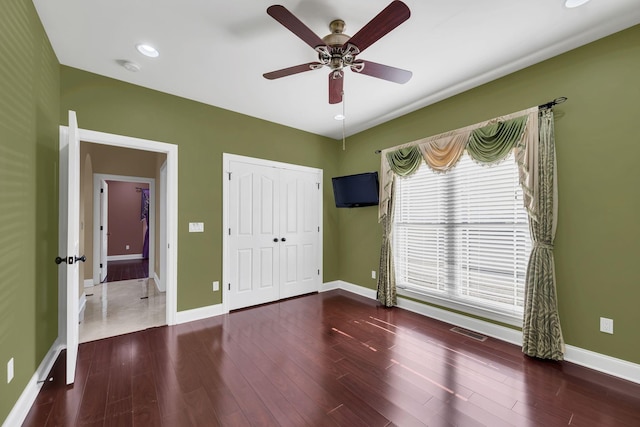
[104,228]
[300,226]
[274,233]
[253,224]
[70,238]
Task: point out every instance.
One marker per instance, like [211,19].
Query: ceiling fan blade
[288,19]
[292,70]
[385,72]
[393,15]
[336,82]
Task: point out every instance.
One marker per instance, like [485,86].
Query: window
[461,239]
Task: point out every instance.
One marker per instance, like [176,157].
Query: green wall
[29,103]
[598,238]
[202,134]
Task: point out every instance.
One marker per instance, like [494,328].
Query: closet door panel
[298,266]
[253,221]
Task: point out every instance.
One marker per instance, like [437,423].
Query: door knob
[275,239]
[60,260]
[82,258]
[284,239]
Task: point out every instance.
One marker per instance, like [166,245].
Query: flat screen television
[353,191]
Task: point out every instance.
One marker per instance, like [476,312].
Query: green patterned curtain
[387,275]
[541,333]
[494,142]
[405,161]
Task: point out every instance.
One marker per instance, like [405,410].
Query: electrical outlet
[606,325]
[126,247]
[216,286]
[9,370]
[373,274]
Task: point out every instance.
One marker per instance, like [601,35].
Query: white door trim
[97,237]
[226,168]
[171,151]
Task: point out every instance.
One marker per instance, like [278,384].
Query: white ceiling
[216,52]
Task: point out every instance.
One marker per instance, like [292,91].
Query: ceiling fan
[339,51]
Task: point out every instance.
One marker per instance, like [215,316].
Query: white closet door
[300,227]
[254,240]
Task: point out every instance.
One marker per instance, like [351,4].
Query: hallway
[116,308]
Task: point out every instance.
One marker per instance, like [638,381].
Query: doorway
[69,311]
[123,295]
[127,243]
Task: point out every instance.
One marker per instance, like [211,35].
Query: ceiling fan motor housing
[333,54]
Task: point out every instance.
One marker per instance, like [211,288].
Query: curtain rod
[549,104]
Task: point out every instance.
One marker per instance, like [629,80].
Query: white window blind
[463,236]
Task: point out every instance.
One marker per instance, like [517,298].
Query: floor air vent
[469,334]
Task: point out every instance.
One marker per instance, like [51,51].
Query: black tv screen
[354,191]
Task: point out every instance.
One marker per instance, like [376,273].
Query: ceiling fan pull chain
[344,118]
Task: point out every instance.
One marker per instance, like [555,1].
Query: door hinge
[102,190]
[318,272]
[318,184]
[229,286]
[318,229]
[229,231]
[100,265]
[229,174]
[101,228]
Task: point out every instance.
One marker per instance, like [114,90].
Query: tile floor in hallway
[117,308]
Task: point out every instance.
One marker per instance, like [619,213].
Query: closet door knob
[283,239]
[275,239]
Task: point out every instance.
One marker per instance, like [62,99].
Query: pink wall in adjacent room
[125,226]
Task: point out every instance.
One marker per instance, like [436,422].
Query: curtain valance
[486,142]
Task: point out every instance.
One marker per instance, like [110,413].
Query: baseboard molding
[589,359]
[199,313]
[159,284]
[124,257]
[502,333]
[88,283]
[603,363]
[21,409]
[354,289]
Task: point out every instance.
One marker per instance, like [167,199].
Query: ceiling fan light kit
[338,51]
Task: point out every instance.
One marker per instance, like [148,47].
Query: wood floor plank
[330,359]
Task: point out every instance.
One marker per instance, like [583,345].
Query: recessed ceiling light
[131,66]
[147,50]
[570,4]
[339,117]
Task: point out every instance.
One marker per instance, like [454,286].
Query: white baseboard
[88,283]
[124,257]
[159,285]
[30,393]
[355,289]
[199,313]
[589,359]
[603,363]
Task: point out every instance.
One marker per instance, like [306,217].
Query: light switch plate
[9,370]
[196,227]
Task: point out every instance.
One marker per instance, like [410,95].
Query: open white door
[70,238]
[104,228]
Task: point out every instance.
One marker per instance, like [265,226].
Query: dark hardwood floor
[127,270]
[324,359]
